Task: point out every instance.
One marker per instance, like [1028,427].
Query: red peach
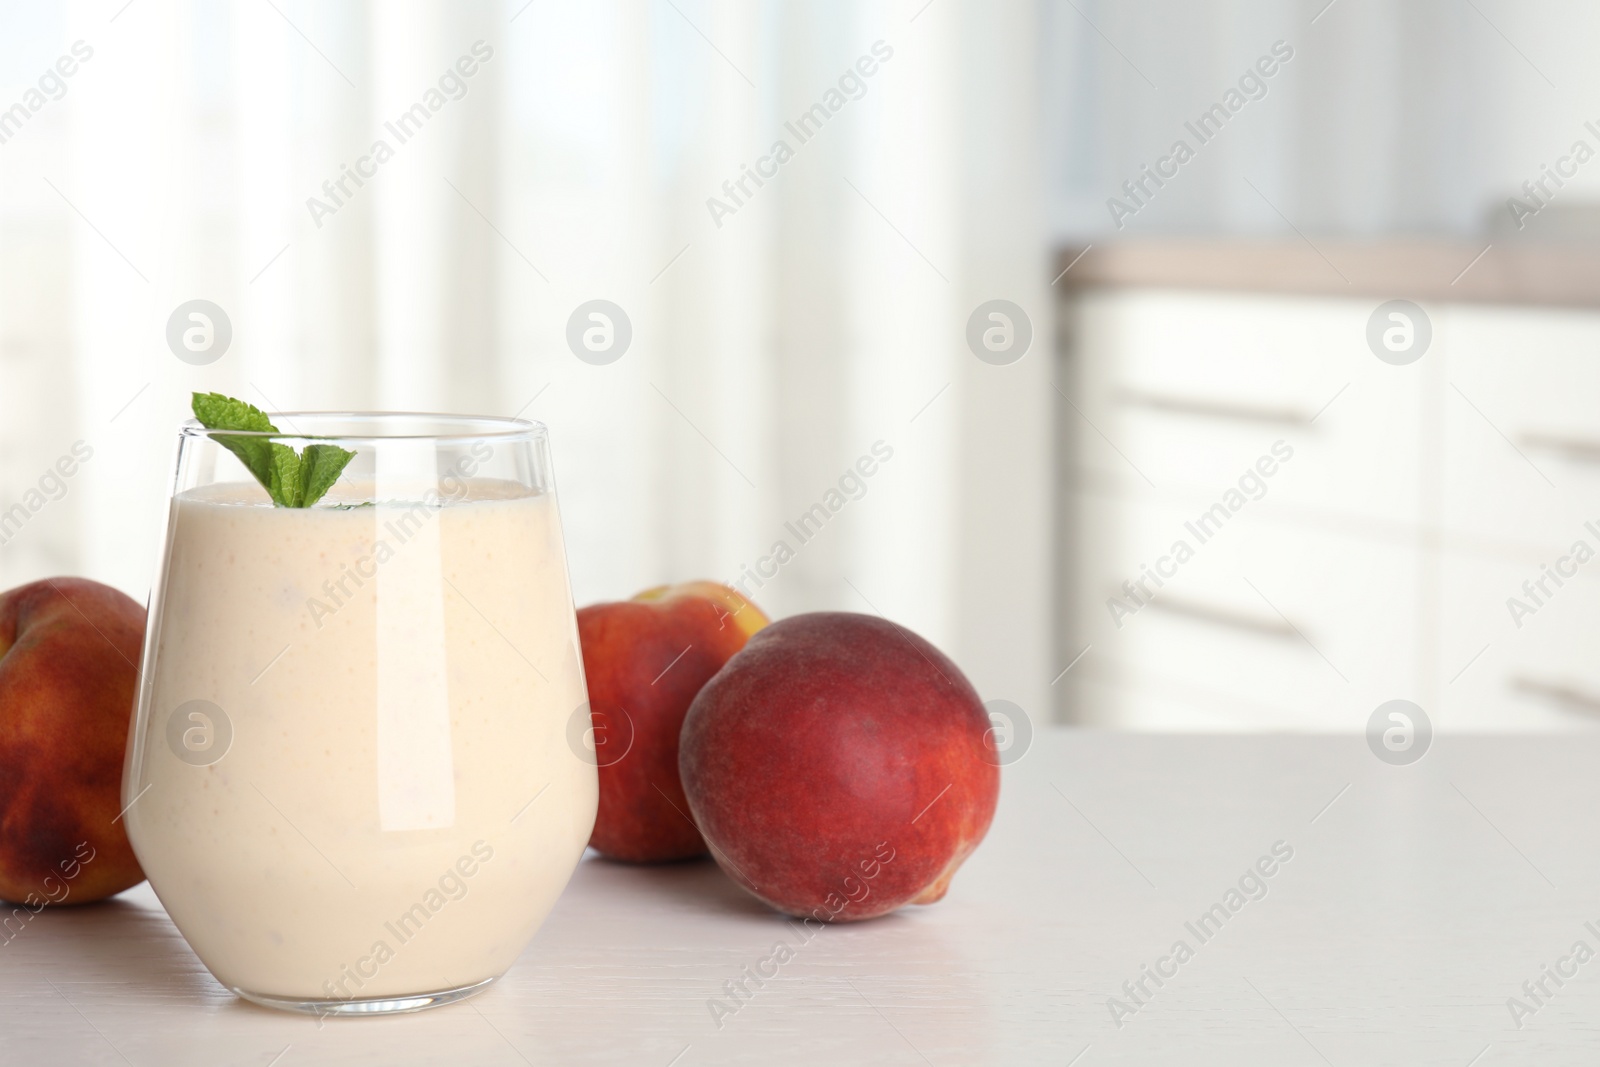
[645,659]
[840,766]
[68,649]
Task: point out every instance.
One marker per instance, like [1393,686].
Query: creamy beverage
[352,777]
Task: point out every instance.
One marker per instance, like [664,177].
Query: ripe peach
[68,649]
[840,766]
[645,659]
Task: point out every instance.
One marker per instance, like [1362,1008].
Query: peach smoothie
[354,780]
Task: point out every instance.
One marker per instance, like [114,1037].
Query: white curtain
[769,353]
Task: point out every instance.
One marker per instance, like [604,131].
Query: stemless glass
[349,777]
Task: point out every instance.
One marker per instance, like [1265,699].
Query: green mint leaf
[285,482]
[292,480]
[320,467]
[218,412]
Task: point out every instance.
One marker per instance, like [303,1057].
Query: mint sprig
[293,479]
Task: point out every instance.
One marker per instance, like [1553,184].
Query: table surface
[1417,902]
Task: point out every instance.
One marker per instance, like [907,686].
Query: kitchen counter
[1416,901]
[1501,270]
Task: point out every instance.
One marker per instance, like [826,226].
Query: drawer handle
[1566,697]
[1254,624]
[1213,409]
[1573,448]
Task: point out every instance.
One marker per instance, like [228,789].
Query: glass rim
[452,427]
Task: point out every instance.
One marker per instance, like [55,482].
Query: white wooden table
[1415,905]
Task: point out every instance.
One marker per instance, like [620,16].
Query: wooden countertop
[1418,899]
[1504,271]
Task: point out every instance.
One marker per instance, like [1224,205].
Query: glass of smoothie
[357,776]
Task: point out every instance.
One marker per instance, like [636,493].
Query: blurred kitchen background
[1195,315]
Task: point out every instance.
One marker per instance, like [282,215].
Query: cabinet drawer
[1521,441]
[1541,675]
[1283,615]
[1189,391]
[1104,696]
[1263,353]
